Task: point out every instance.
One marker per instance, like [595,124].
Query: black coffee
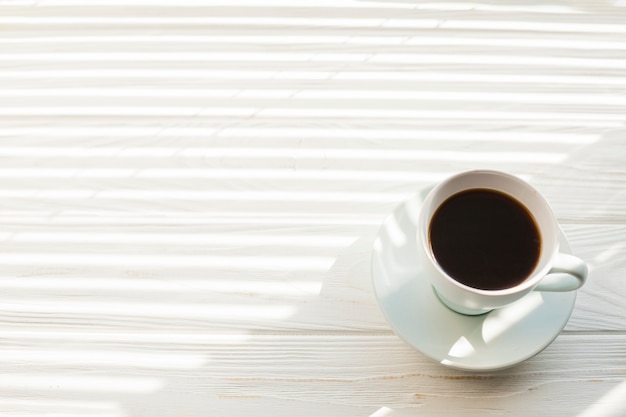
[485,239]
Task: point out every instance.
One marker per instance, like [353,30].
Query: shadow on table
[611,404]
[136,283]
[351,271]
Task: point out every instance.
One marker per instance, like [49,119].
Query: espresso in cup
[485,239]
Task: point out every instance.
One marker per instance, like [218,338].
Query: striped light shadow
[509,41]
[130,111]
[324,94]
[300,174]
[378,154]
[387,113]
[377,23]
[480,6]
[299,218]
[497,325]
[442,77]
[151,93]
[236,263]
[402,41]
[224,21]
[316,112]
[204,239]
[79,383]
[50,412]
[186,56]
[65,413]
[473,96]
[170,73]
[191,173]
[424,59]
[81,152]
[195,195]
[478,77]
[102,358]
[159,337]
[536,26]
[417,133]
[294,4]
[224,312]
[611,404]
[516,60]
[608,119]
[299,153]
[69,131]
[265,287]
[289,4]
[609,253]
[35,405]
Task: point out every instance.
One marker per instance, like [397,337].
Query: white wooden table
[189,191]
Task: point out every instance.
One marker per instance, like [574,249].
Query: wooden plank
[597,194]
[601,300]
[337,374]
[134,173]
[570,13]
[269,277]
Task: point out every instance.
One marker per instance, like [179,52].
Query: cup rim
[537,274]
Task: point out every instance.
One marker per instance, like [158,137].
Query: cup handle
[568,273]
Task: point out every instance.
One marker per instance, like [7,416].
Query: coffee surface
[485,239]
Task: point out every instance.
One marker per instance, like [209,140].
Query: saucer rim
[564,247]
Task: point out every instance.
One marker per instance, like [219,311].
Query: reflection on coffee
[485,239]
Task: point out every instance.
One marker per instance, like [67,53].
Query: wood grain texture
[313,277]
[189,192]
[357,374]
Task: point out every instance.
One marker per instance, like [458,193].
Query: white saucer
[496,340]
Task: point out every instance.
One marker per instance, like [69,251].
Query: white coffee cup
[554,271]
